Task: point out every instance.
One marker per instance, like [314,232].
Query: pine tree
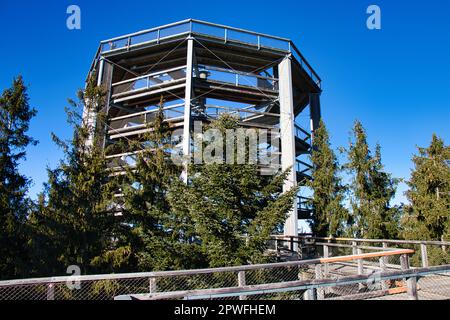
[372,190]
[428,215]
[233,208]
[159,237]
[330,216]
[15,116]
[74,223]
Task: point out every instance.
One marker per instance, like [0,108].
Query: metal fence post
[360,262]
[320,292]
[50,291]
[382,260]
[291,243]
[241,283]
[326,255]
[424,255]
[152,285]
[411,282]
[360,267]
[354,248]
[310,294]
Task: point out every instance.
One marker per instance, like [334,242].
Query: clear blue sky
[396,80]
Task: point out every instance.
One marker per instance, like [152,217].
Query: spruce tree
[372,189]
[233,208]
[428,214]
[74,223]
[15,116]
[159,238]
[330,216]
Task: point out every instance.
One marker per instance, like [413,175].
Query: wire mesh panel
[367,275]
[434,287]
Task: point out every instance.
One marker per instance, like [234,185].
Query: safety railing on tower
[219,32]
[151,80]
[237,78]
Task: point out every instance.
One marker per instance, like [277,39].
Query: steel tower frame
[202,69]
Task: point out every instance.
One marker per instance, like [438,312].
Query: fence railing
[427,253]
[217,31]
[159,284]
[411,284]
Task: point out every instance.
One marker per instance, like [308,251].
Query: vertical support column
[315,114]
[89,111]
[187,108]
[287,134]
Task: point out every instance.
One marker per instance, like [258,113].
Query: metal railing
[304,206]
[238,281]
[303,169]
[427,253]
[223,33]
[151,80]
[239,78]
[302,134]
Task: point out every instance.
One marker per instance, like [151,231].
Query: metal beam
[314,106]
[187,108]
[287,132]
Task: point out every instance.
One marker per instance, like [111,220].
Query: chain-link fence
[182,284]
[331,264]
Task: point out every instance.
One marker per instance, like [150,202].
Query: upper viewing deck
[219,35]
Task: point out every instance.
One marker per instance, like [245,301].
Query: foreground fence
[426,253]
[339,269]
[286,280]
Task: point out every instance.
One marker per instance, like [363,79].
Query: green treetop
[15,116]
[330,216]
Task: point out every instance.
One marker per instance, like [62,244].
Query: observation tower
[201,70]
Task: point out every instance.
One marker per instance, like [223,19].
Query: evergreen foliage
[428,215]
[74,223]
[159,238]
[372,189]
[15,116]
[232,208]
[143,217]
[330,216]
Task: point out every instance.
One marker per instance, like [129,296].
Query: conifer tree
[15,116]
[74,224]
[159,237]
[233,208]
[428,215]
[372,190]
[330,216]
